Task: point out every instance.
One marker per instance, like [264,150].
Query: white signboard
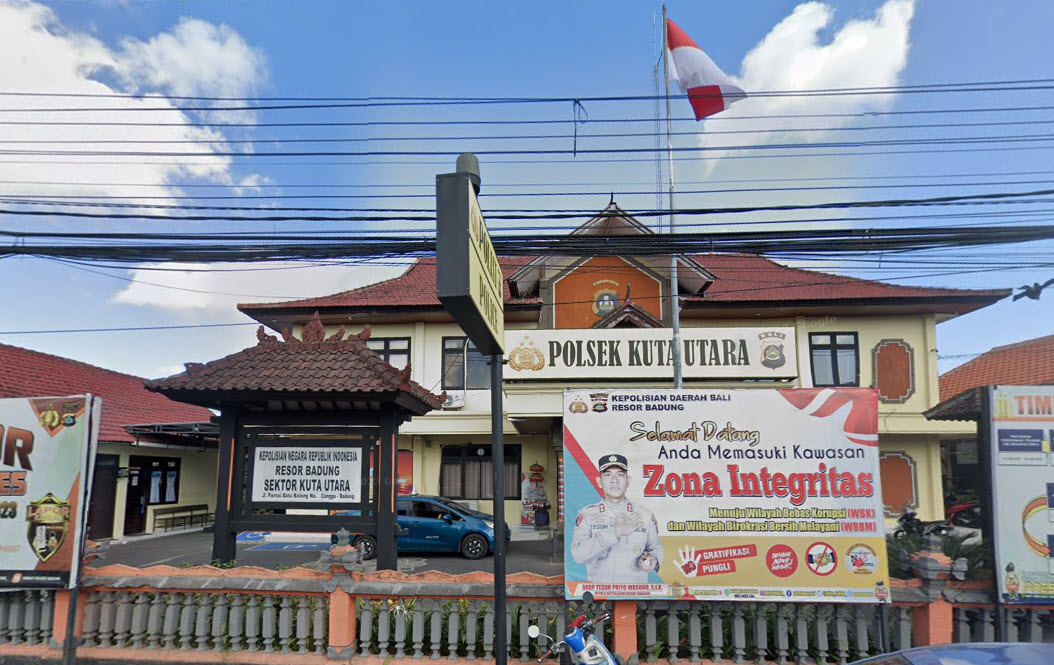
[708,353]
[763,495]
[47,449]
[307,475]
[1021,427]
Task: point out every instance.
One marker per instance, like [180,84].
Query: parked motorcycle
[911,525]
[963,512]
[580,642]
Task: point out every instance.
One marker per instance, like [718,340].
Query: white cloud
[195,59]
[41,55]
[180,287]
[864,52]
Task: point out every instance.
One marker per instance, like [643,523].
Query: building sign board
[633,353]
[468,276]
[1021,427]
[293,474]
[761,495]
[47,451]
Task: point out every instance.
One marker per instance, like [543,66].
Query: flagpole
[675,301]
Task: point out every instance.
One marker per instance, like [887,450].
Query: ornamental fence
[209,614]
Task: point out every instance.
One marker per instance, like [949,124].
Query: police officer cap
[608,461]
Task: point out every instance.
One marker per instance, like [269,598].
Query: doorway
[103,497]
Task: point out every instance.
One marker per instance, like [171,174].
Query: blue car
[1002,653]
[435,524]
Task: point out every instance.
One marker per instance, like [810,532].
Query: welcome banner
[47,447]
[724,494]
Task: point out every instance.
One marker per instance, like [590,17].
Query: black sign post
[469,283]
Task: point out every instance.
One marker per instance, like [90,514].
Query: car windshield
[462,508]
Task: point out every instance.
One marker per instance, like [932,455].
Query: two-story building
[823,330]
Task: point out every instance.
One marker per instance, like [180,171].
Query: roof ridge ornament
[264,338]
[314,331]
[367,331]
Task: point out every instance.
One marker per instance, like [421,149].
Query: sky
[153,54]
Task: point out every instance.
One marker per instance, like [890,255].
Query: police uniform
[609,558]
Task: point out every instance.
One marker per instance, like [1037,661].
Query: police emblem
[605,298]
[600,402]
[578,406]
[772,355]
[526,356]
[49,520]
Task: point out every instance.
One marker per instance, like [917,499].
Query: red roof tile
[741,278]
[315,365]
[1028,363]
[746,278]
[125,401]
[414,288]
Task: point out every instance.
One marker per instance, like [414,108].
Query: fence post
[341,623]
[932,623]
[624,617]
[61,610]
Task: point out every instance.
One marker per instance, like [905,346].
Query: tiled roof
[414,288]
[1028,363]
[125,401]
[316,364]
[747,278]
[740,279]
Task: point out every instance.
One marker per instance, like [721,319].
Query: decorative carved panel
[893,368]
[900,487]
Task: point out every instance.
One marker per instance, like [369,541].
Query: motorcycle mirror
[587,598]
[533,632]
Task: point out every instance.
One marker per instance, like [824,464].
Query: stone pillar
[624,621]
[932,622]
[341,623]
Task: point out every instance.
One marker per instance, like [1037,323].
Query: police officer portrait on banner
[616,539]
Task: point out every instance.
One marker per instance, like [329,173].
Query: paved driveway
[195,548]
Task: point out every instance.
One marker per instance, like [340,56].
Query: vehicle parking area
[195,548]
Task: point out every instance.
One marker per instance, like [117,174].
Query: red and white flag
[709,89]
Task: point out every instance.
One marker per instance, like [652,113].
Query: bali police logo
[605,298]
[772,355]
[600,402]
[862,559]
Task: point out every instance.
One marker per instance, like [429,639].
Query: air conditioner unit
[471,504]
[455,399]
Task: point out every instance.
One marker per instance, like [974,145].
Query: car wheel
[474,546]
[367,545]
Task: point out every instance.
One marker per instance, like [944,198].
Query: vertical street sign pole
[675,301]
[501,650]
[469,283]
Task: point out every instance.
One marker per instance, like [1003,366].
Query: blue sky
[472,49]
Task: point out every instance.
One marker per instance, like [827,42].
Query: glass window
[161,476]
[835,359]
[394,350]
[467,472]
[455,352]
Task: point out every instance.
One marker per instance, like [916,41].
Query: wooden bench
[182,516]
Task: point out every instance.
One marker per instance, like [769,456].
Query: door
[433,527]
[103,497]
[135,499]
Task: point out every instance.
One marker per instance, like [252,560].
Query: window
[455,372]
[394,350]
[835,359]
[467,472]
[161,475]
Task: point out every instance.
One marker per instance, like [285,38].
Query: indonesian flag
[861,418]
[709,90]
